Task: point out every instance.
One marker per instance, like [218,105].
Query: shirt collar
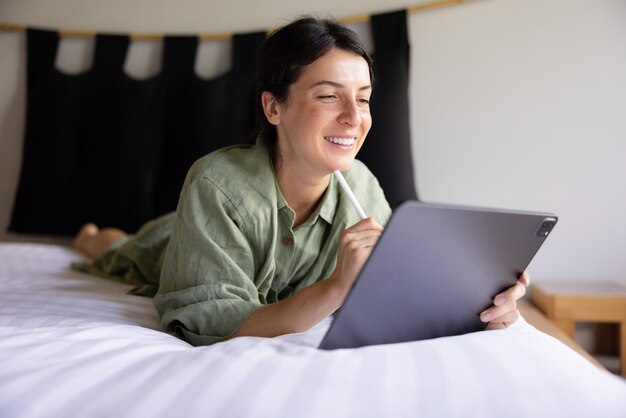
[328,206]
[325,210]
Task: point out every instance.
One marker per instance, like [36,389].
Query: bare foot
[87,231]
[92,241]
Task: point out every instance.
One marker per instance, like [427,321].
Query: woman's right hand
[308,307]
[355,246]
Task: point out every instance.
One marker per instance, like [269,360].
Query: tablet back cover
[432,272]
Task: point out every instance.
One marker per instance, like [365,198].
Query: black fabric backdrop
[103,147]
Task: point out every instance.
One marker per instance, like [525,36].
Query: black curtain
[203,115]
[52,141]
[120,142]
[387,149]
[103,147]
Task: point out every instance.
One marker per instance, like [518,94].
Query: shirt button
[287,241]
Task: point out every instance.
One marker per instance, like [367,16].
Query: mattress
[73,345]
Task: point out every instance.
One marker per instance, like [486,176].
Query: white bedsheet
[73,345]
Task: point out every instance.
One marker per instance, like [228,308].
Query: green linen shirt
[234,248]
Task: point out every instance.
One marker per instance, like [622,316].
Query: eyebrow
[337,85]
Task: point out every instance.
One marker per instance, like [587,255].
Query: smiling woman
[313,88]
[264,242]
[321,126]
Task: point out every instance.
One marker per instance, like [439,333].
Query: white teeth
[340,141]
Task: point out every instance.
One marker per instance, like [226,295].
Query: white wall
[521,103]
[515,103]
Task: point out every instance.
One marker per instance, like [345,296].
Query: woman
[264,243]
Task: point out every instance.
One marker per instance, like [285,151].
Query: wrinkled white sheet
[73,345]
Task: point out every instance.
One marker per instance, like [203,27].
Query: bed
[74,345]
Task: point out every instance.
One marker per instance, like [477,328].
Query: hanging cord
[133,36]
[13,27]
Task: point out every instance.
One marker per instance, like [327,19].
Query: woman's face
[323,123]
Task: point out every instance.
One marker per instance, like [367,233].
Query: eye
[327,97]
[364,101]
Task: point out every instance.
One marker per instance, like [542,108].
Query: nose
[350,115]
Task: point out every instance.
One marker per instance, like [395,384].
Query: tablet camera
[545,227]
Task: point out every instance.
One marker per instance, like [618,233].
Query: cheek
[366,119]
[317,116]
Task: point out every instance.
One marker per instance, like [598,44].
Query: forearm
[314,303]
[296,314]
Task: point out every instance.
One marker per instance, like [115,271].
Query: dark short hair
[287,51]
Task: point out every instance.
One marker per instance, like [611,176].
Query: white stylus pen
[346,188]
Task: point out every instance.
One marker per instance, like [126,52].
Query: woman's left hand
[504,312]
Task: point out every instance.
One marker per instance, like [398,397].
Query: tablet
[434,270]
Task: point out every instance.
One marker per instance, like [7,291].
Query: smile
[341,140]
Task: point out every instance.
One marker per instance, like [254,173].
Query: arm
[210,280]
[207,285]
[314,303]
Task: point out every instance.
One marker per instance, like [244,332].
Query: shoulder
[235,167]
[221,163]
[239,176]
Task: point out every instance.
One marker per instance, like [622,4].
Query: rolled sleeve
[207,287]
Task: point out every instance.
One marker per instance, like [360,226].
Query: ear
[270,107]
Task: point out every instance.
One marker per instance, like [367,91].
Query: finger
[504,321]
[494,312]
[366,224]
[357,235]
[354,255]
[365,235]
[505,304]
[524,279]
[365,242]
[513,293]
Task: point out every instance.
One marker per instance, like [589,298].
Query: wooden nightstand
[568,303]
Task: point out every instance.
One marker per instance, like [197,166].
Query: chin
[343,166]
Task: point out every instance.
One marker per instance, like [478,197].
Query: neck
[301,192]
